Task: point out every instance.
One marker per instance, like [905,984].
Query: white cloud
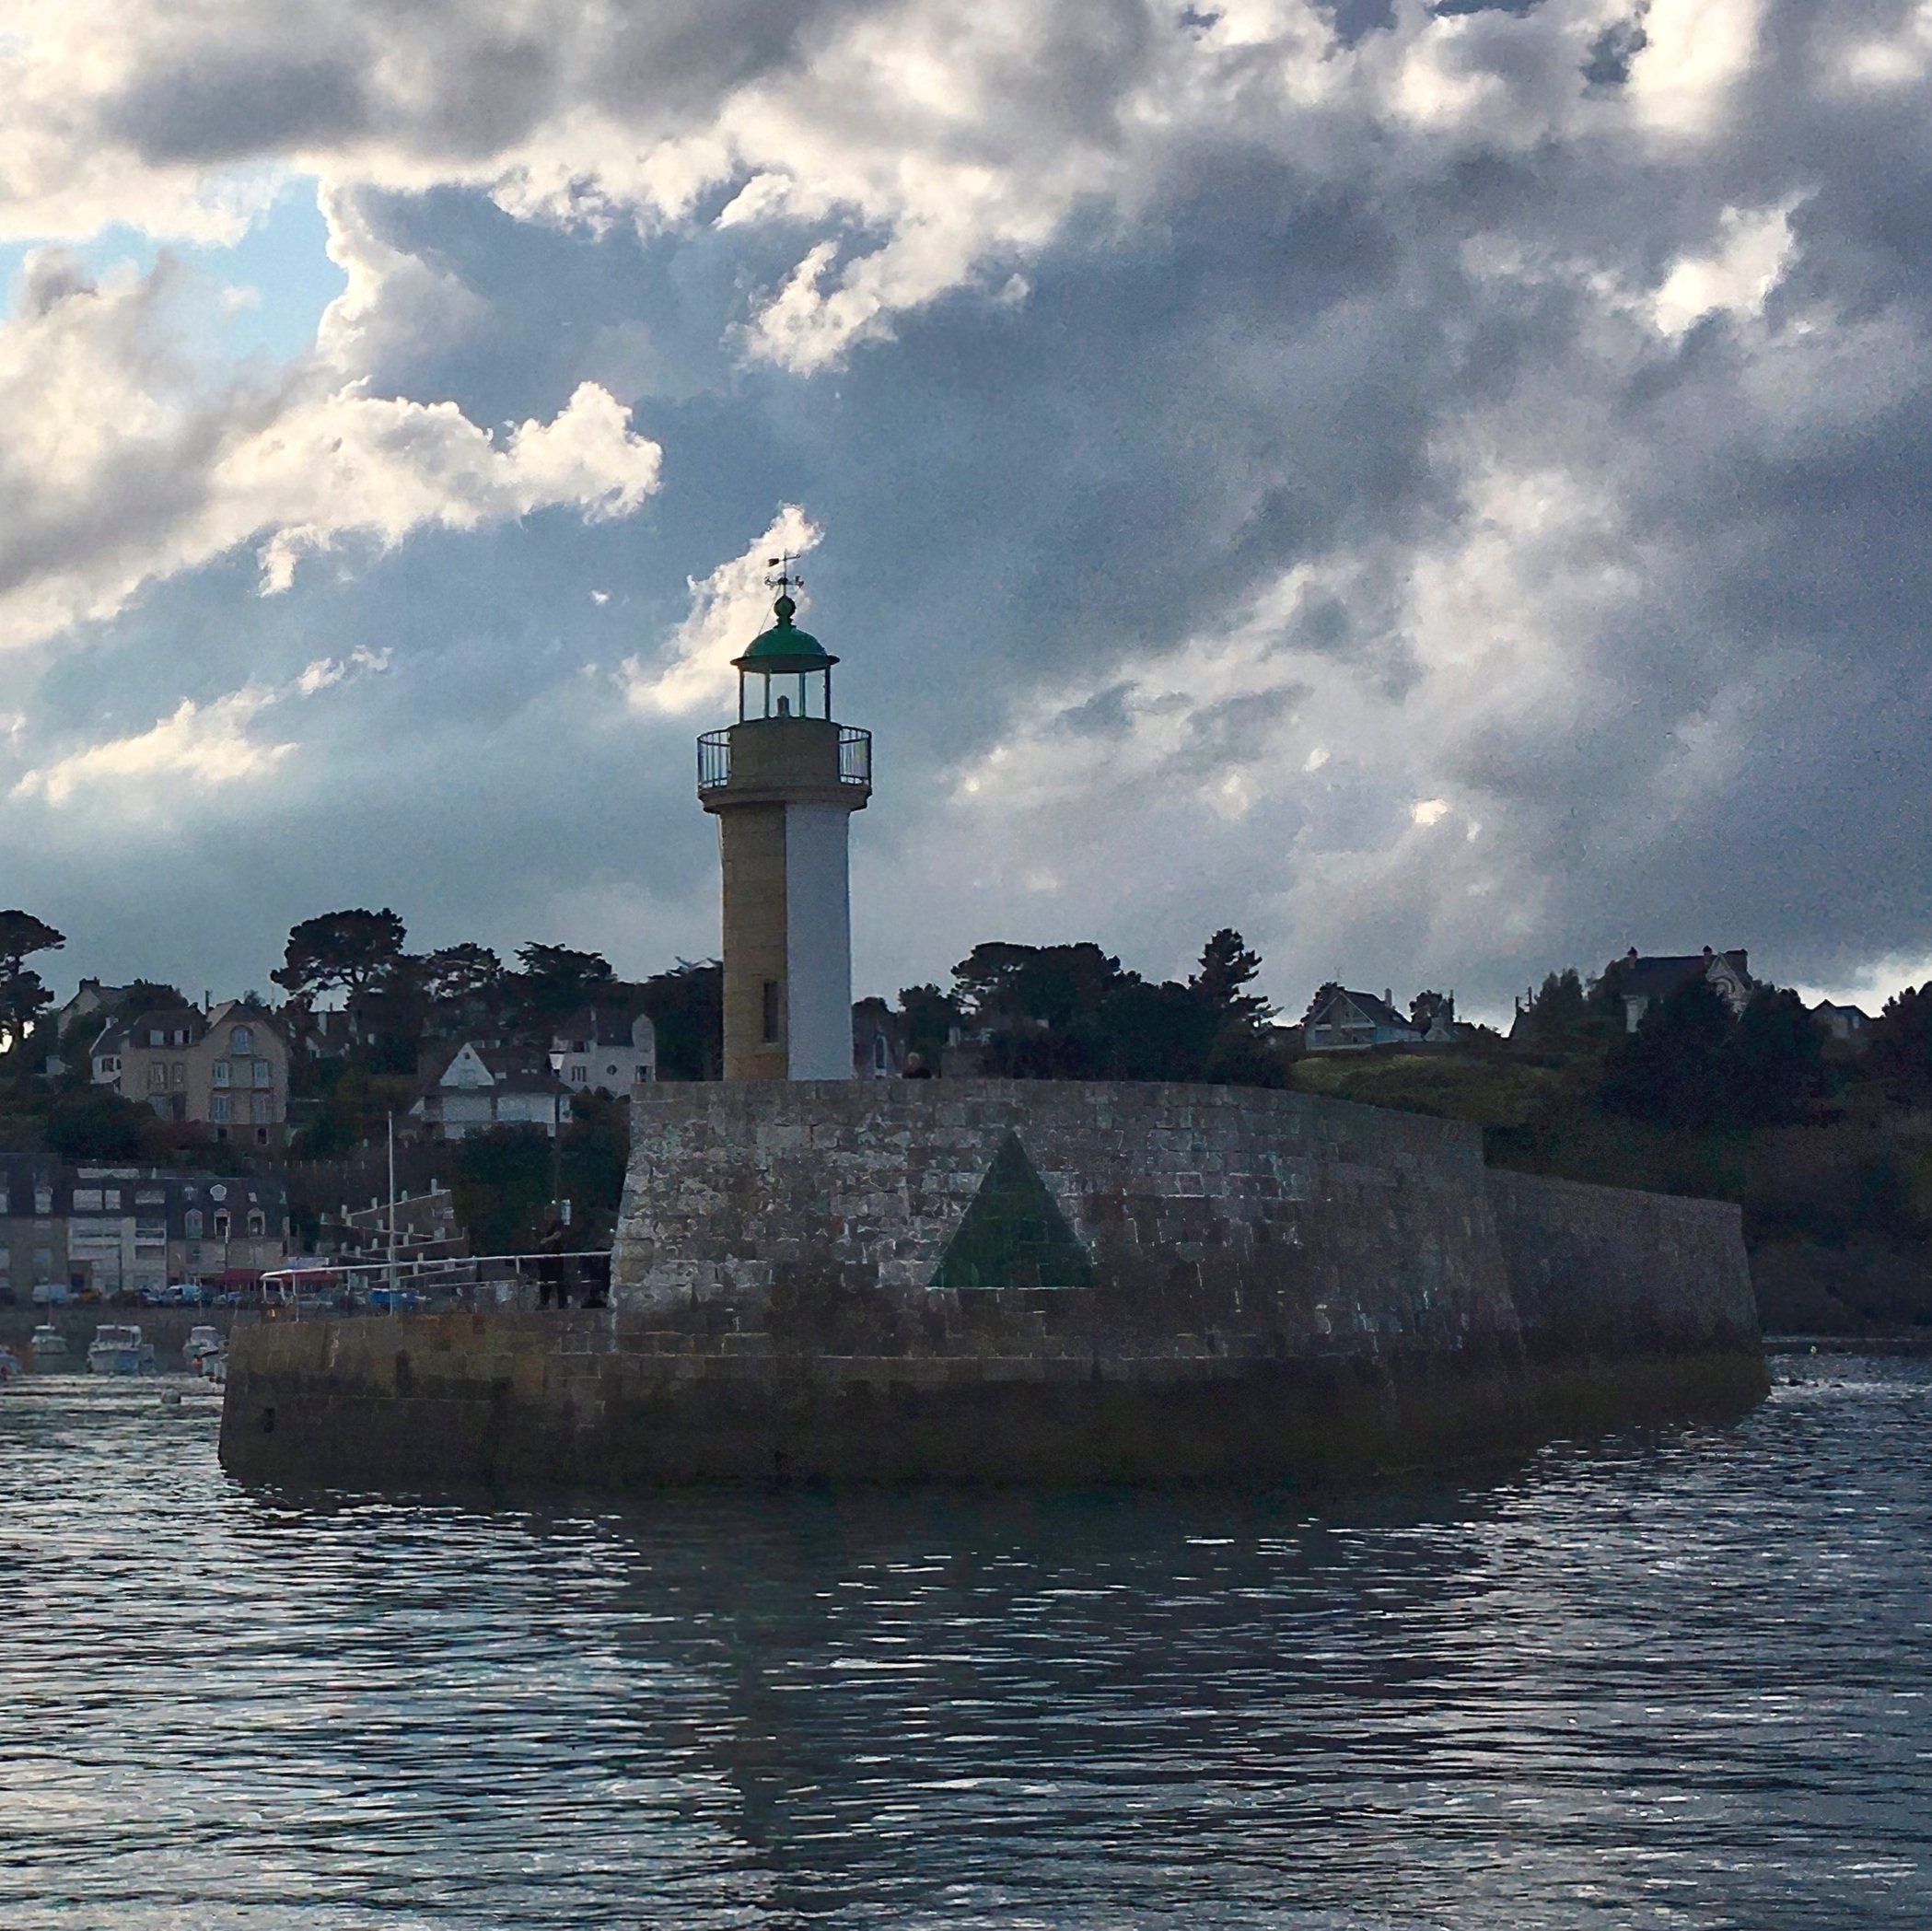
[728,608]
[124,466]
[1753,250]
[205,746]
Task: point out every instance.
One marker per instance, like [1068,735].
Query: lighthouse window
[770,1011]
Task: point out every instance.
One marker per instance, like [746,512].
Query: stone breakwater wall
[1036,1281]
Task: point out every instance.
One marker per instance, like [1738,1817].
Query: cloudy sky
[1444,491]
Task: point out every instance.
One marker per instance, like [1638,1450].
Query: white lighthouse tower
[783,782]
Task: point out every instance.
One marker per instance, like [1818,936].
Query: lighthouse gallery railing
[855,756]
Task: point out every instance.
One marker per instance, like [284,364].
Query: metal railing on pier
[500,1284]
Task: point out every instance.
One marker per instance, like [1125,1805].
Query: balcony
[778,755]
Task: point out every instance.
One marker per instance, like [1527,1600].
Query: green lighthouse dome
[785,648]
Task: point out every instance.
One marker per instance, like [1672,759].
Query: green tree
[1777,1060]
[356,950]
[1900,1050]
[595,1153]
[96,1124]
[930,1017]
[1560,1011]
[503,1188]
[1165,1031]
[460,972]
[1048,985]
[1227,966]
[1674,1069]
[554,981]
[23,996]
[686,1006]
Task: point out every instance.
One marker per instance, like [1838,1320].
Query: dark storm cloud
[234,107]
[1609,623]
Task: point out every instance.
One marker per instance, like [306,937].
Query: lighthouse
[783,782]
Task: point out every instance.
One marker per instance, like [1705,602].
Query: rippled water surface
[1677,1683]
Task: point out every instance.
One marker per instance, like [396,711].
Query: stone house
[483,1087]
[599,1050]
[1343,1021]
[1643,982]
[225,1069]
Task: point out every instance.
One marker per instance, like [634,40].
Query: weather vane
[786,579]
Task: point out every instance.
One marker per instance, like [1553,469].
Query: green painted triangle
[1014,1234]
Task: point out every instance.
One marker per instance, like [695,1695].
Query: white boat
[203,1341]
[118,1349]
[49,1346]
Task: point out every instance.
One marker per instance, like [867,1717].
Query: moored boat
[118,1349]
[49,1346]
[204,1339]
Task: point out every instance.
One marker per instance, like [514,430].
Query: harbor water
[1676,1681]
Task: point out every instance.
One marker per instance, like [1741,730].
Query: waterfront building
[783,782]
[68,1230]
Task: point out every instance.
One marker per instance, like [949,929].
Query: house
[225,1069]
[483,1087]
[92,997]
[125,1229]
[599,1051]
[1343,1021]
[1846,1024]
[878,1040]
[33,1238]
[1643,982]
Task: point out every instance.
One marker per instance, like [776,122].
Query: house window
[157,1076]
[221,1072]
[218,1107]
[242,1040]
[878,1052]
[257,1224]
[221,1225]
[86,1200]
[192,1224]
[609,1072]
[770,1033]
[179,1075]
[264,1073]
[156,1037]
[43,1200]
[262,1110]
[261,1136]
[578,1074]
[110,1199]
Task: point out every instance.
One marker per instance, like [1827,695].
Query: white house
[481,1087]
[597,1051]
